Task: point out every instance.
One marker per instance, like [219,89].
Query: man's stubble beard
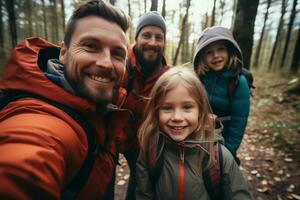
[81,90]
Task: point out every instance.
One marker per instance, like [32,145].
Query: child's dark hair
[96,8]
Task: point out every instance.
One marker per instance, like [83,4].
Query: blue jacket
[216,85]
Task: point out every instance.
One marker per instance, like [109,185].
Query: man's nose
[152,40]
[104,59]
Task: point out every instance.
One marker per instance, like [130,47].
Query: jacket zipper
[181,174]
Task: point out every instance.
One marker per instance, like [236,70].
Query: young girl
[218,61]
[178,129]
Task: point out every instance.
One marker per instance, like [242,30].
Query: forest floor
[270,151]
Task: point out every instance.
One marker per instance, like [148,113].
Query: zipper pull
[181,153]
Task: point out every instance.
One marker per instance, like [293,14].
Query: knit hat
[152,18]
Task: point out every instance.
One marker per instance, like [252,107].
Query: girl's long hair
[149,130]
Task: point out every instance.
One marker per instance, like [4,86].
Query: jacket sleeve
[239,112]
[144,189]
[234,185]
[36,151]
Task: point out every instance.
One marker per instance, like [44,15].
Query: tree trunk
[154,5]
[244,27]
[213,14]
[287,39]
[183,28]
[112,2]
[163,12]
[258,49]
[296,55]
[29,17]
[145,6]
[1,29]
[222,9]
[12,21]
[234,5]
[63,14]
[131,31]
[54,22]
[279,30]
[44,20]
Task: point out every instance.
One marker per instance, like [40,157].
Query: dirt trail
[270,151]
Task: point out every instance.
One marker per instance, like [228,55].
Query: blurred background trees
[268,31]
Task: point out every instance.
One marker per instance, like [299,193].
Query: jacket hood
[212,34]
[25,71]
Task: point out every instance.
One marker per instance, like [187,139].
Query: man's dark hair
[96,8]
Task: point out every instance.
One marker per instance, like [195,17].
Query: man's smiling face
[95,59]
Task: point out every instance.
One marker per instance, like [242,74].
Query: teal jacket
[216,85]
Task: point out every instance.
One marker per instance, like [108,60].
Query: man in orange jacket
[145,64]
[42,147]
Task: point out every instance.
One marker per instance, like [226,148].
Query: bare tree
[288,35]
[183,28]
[131,33]
[1,30]
[243,28]
[257,53]
[222,9]
[63,15]
[234,6]
[163,12]
[12,21]
[54,21]
[213,14]
[28,16]
[279,31]
[296,55]
[44,19]
[112,2]
[154,5]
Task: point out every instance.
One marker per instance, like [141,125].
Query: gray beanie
[152,18]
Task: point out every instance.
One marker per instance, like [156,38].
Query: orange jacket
[42,147]
[136,100]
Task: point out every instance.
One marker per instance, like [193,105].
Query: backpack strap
[78,181]
[155,171]
[212,177]
[232,85]
[129,76]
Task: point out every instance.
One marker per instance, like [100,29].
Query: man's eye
[119,55]
[90,47]
[146,36]
[159,38]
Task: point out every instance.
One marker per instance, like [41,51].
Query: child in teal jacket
[218,59]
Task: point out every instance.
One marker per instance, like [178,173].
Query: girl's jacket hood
[212,34]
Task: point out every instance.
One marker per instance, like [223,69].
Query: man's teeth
[99,78]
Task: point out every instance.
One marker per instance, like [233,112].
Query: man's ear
[63,53]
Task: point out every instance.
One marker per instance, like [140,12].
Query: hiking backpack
[234,81]
[76,184]
[212,177]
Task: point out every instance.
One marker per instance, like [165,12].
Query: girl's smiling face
[178,113]
[215,55]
